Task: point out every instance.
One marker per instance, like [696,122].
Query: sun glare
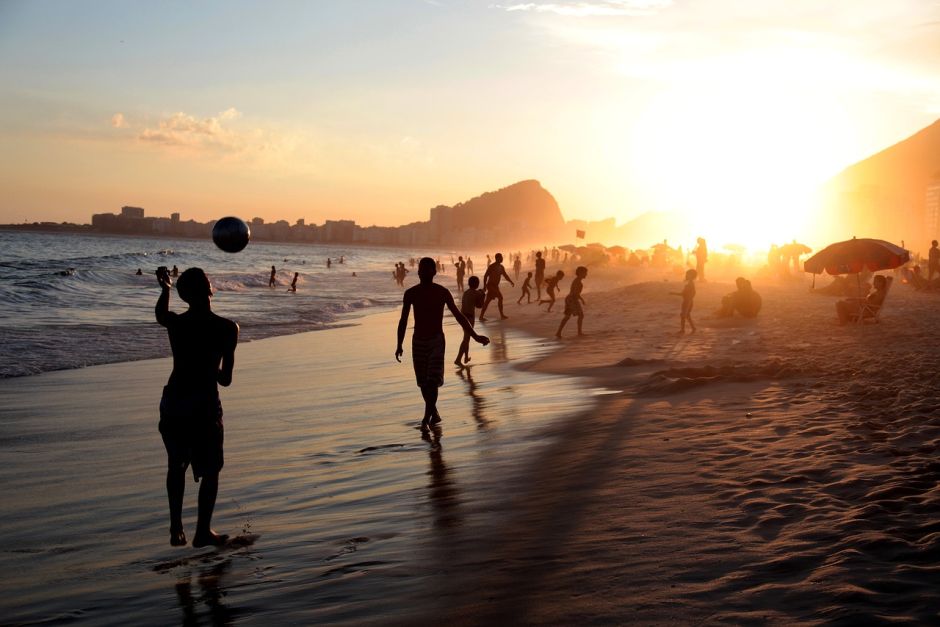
[742,161]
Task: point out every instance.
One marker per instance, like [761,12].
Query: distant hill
[885,195]
[520,204]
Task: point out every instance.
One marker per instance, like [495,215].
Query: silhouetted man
[539,274]
[273,280]
[494,272]
[427,340]
[203,347]
[933,261]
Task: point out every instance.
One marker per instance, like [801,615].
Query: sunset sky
[379,110]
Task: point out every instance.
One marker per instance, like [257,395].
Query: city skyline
[377,112]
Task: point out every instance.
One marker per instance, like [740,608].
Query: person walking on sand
[574,301]
[551,284]
[293,284]
[272,281]
[701,256]
[203,346]
[427,340]
[471,300]
[933,262]
[461,269]
[494,272]
[526,290]
[539,274]
[688,295]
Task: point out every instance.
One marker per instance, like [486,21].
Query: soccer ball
[231,234]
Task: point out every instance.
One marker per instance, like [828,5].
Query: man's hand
[482,339]
[163,278]
[398,353]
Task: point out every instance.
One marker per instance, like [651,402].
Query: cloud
[181,130]
[118,121]
[591,9]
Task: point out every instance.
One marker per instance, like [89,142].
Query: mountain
[885,195]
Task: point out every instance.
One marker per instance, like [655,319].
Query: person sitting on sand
[851,308]
[427,341]
[494,272]
[744,300]
[272,280]
[203,346]
[688,295]
[293,284]
[471,300]
[526,290]
[574,301]
[551,284]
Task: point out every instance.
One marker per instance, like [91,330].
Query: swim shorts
[428,357]
[573,307]
[191,426]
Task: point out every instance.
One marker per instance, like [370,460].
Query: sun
[741,160]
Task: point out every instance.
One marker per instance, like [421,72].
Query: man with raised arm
[427,340]
[203,345]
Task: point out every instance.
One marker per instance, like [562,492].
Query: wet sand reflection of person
[477,402]
[212,594]
[442,492]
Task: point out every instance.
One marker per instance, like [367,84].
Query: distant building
[132,212]
[339,230]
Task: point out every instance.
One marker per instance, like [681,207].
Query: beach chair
[872,313]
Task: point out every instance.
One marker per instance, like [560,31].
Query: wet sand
[779,470]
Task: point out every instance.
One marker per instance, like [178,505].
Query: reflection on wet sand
[442,492]
[478,403]
[211,595]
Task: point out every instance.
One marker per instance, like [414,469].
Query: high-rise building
[932,209]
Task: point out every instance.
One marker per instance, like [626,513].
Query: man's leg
[486,303]
[580,322]
[175,487]
[429,392]
[499,303]
[208,491]
[561,326]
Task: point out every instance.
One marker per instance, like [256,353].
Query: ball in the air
[231,234]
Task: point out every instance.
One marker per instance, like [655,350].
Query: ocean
[74,300]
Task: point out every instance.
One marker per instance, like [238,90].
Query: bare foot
[558,335]
[209,539]
[457,362]
[434,420]
[504,317]
[466,359]
[177,537]
[482,319]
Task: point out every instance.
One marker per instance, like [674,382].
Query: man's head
[193,286]
[538,254]
[427,268]
[499,257]
[530,275]
[933,243]
[580,272]
[459,258]
[741,282]
[880,282]
[474,282]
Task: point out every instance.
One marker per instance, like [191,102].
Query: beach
[778,470]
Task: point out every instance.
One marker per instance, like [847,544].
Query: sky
[728,111]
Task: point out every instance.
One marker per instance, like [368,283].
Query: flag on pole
[579,234]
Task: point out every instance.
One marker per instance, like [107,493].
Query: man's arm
[507,278]
[162,310]
[462,320]
[228,357]
[403,325]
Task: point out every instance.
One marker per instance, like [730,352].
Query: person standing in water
[494,272]
[461,270]
[203,346]
[293,284]
[272,281]
[427,341]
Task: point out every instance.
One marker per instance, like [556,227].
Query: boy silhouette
[469,302]
[494,272]
[203,347]
[574,301]
[427,340]
[526,290]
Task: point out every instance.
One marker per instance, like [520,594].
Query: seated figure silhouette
[203,345]
[743,300]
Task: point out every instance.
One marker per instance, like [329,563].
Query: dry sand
[779,470]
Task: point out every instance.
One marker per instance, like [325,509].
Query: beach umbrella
[617,250]
[855,255]
[568,248]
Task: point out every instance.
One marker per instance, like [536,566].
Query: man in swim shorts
[427,341]
[494,272]
[203,345]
